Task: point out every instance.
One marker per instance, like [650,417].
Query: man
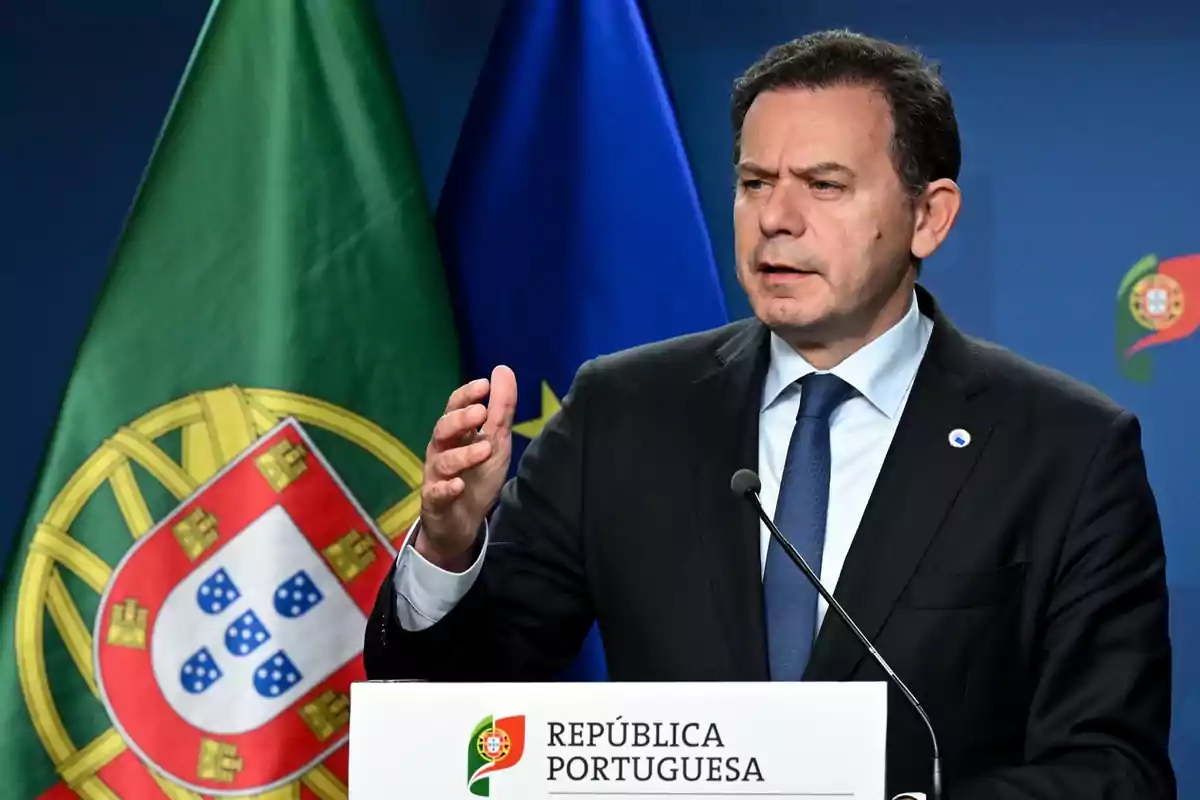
[988,523]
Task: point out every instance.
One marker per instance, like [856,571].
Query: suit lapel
[920,478]
[724,407]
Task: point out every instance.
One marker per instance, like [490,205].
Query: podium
[617,741]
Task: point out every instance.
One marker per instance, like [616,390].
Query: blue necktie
[791,601]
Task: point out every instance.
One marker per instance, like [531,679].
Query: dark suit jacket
[1016,585]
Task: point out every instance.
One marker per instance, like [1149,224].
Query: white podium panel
[604,741]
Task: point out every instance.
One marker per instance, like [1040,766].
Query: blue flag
[569,223]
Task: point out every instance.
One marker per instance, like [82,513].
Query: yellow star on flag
[550,406]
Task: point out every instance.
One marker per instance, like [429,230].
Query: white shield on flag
[230,634]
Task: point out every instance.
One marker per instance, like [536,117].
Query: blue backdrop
[1081,126]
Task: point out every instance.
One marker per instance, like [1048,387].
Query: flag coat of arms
[245,608]
[233,464]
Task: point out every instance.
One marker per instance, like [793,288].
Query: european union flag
[569,223]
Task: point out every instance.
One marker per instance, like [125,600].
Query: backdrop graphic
[1080,127]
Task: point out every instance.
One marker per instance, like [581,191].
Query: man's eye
[823,186]
[752,184]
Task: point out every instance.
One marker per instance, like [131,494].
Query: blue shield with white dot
[297,595]
[246,634]
[276,675]
[217,592]
[199,672]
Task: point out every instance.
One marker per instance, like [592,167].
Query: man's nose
[781,214]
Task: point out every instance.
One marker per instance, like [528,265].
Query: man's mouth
[782,269]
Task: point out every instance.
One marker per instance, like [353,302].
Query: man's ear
[936,210]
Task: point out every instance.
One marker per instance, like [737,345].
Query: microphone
[745,483]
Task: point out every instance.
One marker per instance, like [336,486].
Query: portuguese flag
[237,453]
[1158,301]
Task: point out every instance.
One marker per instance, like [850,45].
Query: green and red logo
[495,744]
[1158,302]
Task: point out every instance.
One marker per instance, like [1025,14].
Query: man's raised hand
[466,464]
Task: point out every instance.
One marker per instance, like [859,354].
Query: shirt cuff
[425,592]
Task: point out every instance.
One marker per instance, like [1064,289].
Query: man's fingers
[502,402]
[451,428]
[466,394]
[441,493]
[457,461]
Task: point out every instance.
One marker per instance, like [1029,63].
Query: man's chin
[792,316]
[791,330]
[802,326]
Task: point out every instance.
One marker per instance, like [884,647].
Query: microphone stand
[752,494]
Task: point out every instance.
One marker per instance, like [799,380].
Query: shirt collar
[881,371]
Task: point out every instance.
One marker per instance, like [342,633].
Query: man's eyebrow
[751,168]
[824,168]
[807,172]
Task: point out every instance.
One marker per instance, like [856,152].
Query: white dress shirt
[861,431]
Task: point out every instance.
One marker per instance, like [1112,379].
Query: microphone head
[745,482]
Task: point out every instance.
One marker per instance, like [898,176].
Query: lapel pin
[959,438]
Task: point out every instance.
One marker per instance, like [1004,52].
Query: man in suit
[988,523]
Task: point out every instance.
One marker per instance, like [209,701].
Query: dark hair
[925,145]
